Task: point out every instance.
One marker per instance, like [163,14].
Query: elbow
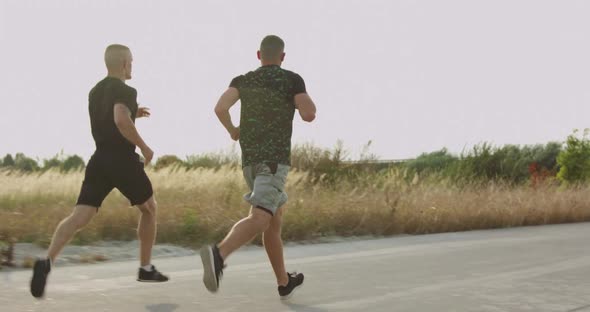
[219,110]
[308,117]
[119,123]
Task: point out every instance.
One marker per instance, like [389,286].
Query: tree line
[568,162]
[60,162]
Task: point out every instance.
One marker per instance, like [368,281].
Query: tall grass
[200,205]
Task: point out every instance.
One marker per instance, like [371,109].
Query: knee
[80,217]
[76,223]
[149,208]
[274,226]
[261,222]
[276,222]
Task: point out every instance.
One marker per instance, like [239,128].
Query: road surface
[523,269]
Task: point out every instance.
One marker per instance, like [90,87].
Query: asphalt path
[544,268]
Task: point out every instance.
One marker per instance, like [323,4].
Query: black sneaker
[41,269]
[295,281]
[212,267]
[153,276]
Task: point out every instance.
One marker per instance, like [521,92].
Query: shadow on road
[162,307]
[302,308]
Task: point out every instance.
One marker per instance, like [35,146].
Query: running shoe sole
[39,280]
[287,297]
[209,278]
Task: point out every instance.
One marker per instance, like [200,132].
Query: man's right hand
[148,154]
[235,133]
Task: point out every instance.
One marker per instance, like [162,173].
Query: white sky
[413,76]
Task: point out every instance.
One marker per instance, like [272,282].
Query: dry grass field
[200,205]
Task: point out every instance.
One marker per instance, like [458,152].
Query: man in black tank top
[269,97]
[112,106]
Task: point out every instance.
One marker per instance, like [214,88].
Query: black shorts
[106,171]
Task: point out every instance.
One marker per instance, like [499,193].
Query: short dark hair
[271,47]
[115,55]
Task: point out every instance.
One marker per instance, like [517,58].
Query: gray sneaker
[212,267]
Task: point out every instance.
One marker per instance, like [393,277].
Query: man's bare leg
[66,229]
[274,248]
[63,234]
[273,244]
[244,231]
[146,230]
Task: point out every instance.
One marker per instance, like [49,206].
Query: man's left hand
[143,112]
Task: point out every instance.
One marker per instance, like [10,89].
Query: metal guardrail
[378,161]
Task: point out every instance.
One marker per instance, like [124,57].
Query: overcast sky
[412,76]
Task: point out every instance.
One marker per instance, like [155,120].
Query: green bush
[73,162]
[308,157]
[207,160]
[61,162]
[8,161]
[167,161]
[323,165]
[24,163]
[53,162]
[484,162]
[213,160]
[574,160]
[439,161]
[64,163]
[510,163]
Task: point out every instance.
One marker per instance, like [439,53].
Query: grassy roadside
[200,205]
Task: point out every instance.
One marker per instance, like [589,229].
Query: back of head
[115,56]
[272,48]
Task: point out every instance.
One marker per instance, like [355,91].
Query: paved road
[525,269]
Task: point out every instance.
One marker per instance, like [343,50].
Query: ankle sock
[147,267]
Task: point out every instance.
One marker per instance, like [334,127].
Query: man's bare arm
[127,128]
[305,106]
[226,101]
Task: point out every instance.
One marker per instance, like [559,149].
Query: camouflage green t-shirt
[266,122]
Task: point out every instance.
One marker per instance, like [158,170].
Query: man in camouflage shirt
[269,97]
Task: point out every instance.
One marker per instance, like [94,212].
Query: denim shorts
[267,185]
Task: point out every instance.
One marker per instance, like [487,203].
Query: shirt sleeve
[298,85]
[235,83]
[126,95]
